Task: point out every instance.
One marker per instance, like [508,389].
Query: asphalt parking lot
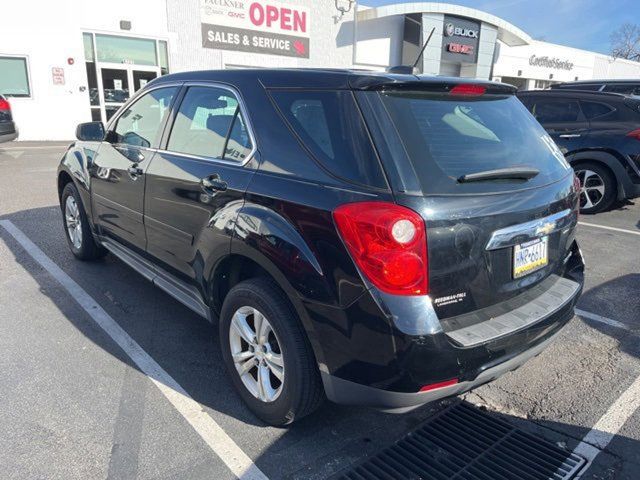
[105,376]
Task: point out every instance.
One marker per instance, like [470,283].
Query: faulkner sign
[255,26]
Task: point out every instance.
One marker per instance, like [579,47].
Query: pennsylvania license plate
[529,257]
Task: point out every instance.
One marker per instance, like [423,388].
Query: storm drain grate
[464,443]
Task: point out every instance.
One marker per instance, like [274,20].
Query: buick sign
[451,30]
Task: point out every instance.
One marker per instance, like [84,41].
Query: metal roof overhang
[507,33]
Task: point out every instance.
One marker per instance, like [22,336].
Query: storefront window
[137,51]
[14,77]
[92,77]
[163,59]
[87,40]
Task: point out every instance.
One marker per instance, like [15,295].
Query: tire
[300,392]
[600,190]
[79,238]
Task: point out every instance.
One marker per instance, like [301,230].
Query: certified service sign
[259,27]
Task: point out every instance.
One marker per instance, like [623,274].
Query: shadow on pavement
[618,298]
[185,346]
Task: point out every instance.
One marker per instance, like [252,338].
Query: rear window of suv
[448,136]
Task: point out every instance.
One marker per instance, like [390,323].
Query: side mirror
[90,132]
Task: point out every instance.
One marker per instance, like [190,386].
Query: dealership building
[67,61]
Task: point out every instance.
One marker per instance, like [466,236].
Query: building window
[14,81]
[543,84]
[92,77]
[127,50]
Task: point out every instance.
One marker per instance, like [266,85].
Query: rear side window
[593,110]
[139,125]
[209,123]
[556,110]
[329,125]
[448,136]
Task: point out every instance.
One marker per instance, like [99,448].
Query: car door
[196,184]
[118,173]
[563,120]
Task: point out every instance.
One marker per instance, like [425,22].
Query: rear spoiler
[435,85]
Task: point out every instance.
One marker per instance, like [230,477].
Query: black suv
[381,239]
[599,134]
[8,130]
[626,87]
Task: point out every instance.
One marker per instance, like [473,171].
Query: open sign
[268,26]
[284,18]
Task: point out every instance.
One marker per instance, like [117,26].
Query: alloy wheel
[256,354]
[73,221]
[592,188]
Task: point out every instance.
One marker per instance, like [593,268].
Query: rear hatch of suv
[496,194]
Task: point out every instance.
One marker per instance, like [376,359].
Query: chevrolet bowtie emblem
[546,228]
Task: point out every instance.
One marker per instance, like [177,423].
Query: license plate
[529,257]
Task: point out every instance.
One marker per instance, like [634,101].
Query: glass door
[141,77]
[117,67]
[115,89]
[118,83]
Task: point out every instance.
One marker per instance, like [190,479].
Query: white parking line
[609,424]
[210,431]
[599,318]
[623,230]
[616,416]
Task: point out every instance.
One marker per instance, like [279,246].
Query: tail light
[634,134]
[388,243]
[4,105]
[468,90]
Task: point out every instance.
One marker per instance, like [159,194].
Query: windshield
[447,137]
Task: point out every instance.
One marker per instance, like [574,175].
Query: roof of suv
[326,78]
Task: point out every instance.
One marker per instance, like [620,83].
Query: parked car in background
[599,134]
[625,87]
[382,239]
[8,130]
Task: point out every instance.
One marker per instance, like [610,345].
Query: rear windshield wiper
[517,173]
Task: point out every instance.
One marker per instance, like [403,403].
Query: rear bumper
[421,360]
[351,393]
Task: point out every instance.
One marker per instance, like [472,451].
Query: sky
[585,24]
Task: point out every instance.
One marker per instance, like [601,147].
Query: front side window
[556,111]
[14,77]
[140,124]
[210,124]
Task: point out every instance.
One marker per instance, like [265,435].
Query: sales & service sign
[255,26]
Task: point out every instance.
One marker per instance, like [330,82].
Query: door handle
[135,171]
[213,182]
[570,135]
